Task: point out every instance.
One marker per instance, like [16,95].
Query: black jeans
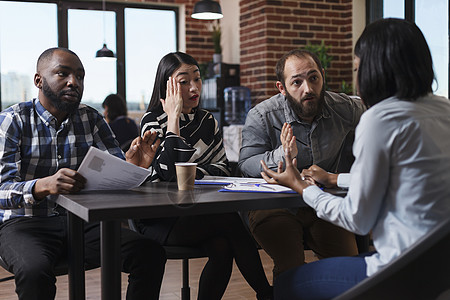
[224,238]
[32,246]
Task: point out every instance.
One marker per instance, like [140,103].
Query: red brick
[316,13]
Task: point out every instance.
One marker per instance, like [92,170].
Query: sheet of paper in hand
[104,171]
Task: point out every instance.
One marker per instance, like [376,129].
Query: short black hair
[394,61]
[116,106]
[300,53]
[47,54]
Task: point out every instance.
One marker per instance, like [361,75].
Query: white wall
[230,31]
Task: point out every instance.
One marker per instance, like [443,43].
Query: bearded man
[42,144]
[315,125]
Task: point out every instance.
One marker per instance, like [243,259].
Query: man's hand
[287,139]
[319,175]
[290,177]
[143,149]
[64,181]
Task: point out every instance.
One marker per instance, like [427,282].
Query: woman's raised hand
[173,105]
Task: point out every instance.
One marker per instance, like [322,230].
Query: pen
[262,185]
[300,141]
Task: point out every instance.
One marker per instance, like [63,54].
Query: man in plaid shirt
[42,143]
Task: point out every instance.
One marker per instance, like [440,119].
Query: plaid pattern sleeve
[33,146]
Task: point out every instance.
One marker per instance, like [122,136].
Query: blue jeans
[323,279]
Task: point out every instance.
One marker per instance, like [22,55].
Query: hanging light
[104,52]
[207,10]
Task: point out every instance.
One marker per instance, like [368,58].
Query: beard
[309,109]
[55,99]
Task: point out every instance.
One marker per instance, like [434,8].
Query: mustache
[70,92]
[309,95]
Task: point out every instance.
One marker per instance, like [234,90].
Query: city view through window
[27,29]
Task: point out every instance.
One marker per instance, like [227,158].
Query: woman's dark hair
[168,64]
[116,106]
[394,61]
[300,53]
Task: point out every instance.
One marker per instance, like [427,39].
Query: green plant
[346,88]
[322,53]
[203,70]
[216,35]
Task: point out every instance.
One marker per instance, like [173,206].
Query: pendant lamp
[104,52]
[207,10]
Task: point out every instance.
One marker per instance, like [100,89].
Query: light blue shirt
[400,180]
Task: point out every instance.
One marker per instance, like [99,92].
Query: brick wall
[270,28]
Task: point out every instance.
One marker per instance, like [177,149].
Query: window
[86,36]
[130,30]
[141,73]
[20,46]
[433,20]
[394,9]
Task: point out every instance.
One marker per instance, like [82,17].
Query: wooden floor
[238,288]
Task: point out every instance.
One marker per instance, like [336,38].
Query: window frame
[119,9]
[374,11]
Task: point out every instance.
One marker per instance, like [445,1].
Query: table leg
[76,257]
[110,251]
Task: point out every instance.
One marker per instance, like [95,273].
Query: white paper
[258,187]
[226,180]
[104,171]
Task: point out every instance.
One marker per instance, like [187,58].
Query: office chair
[420,273]
[179,252]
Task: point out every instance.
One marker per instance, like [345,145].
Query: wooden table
[147,201]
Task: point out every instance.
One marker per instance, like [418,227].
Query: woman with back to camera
[191,134]
[399,183]
[116,115]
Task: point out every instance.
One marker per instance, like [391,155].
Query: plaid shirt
[33,147]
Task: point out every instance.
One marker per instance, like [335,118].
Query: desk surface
[163,199]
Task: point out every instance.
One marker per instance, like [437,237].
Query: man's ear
[38,80]
[281,88]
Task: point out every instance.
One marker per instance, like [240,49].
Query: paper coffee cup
[186,175]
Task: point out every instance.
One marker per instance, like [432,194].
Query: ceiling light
[207,10]
[104,53]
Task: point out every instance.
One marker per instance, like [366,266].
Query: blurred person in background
[116,114]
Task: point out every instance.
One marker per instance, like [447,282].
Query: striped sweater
[200,142]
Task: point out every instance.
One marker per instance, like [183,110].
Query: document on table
[220,180]
[244,184]
[104,171]
[256,188]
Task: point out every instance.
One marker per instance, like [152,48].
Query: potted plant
[321,50]
[216,35]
